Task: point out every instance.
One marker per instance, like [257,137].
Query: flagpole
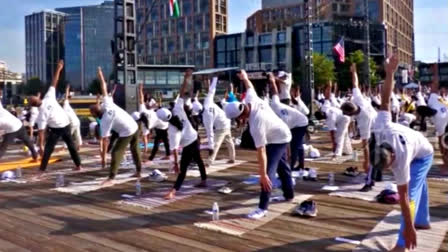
[367,44]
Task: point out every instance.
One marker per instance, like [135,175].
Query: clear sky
[431,25]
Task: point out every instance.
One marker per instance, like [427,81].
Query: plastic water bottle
[355,156]
[138,188]
[215,210]
[60,180]
[331,179]
[19,172]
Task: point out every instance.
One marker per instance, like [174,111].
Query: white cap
[164,114]
[188,103]
[136,115]
[234,109]
[314,153]
[281,74]
[197,107]
[7,175]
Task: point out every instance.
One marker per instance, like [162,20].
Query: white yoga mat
[217,166]
[329,159]
[385,235]
[94,185]
[351,190]
[234,221]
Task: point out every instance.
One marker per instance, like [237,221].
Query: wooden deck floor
[35,218]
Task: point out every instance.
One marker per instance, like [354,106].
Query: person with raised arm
[217,126]
[271,137]
[13,128]
[116,119]
[53,116]
[75,123]
[440,118]
[182,133]
[409,154]
[365,115]
[160,127]
[296,121]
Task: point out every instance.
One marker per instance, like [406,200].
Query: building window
[265,39]
[181,25]
[250,40]
[281,37]
[173,78]
[187,8]
[265,55]
[205,40]
[221,58]
[250,56]
[198,23]
[161,77]
[230,43]
[199,59]
[188,43]
[220,44]
[281,54]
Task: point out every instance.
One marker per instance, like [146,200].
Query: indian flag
[174,8]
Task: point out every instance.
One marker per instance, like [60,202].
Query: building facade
[43,44]
[265,4]
[10,83]
[186,40]
[88,31]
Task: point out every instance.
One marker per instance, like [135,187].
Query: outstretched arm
[67,92]
[56,75]
[272,82]
[435,79]
[355,80]
[187,78]
[103,82]
[390,67]
[140,94]
[245,79]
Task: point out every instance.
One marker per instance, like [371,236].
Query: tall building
[88,31]
[185,40]
[396,15]
[43,43]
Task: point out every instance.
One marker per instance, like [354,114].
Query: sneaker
[257,214]
[311,211]
[351,172]
[312,175]
[301,209]
[366,188]
[157,176]
[225,190]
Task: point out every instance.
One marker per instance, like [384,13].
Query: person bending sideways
[296,121]
[409,154]
[182,133]
[364,113]
[51,114]
[271,137]
[217,126]
[13,129]
[75,123]
[116,119]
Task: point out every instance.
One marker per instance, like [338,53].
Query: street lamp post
[309,75]
[367,43]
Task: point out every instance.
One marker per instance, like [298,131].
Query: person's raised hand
[243,75]
[60,65]
[353,68]
[391,64]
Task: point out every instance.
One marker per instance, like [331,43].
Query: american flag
[340,50]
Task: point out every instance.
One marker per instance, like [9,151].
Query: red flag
[340,50]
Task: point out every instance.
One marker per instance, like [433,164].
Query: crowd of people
[385,120]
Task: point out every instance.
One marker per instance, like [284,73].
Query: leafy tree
[323,70]
[345,77]
[95,87]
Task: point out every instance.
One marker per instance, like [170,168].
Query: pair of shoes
[307,208]
[309,174]
[351,172]
[157,176]
[367,188]
[257,214]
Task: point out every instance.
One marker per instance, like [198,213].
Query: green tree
[95,87]
[34,86]
[323,70]
[345,77]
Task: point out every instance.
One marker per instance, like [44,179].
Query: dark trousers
[22,135]
[119,150]
[112,140]
[161,135]
[53,136]
[277,164]
[296,144]
[190,153]
[286,101]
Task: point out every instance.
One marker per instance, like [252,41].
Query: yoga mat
[94,185]
[24,163]
[234,221]
[351,190]
[385,235]
[217,166]
[154,198]
[329,159]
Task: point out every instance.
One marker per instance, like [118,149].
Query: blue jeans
[276,163]
[418,195]
[297,147]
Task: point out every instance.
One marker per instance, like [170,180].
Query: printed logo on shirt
[49,107]
[284,112]
[402,140]
[443,110]
[211,110]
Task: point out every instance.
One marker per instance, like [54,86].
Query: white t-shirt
[420,99]
[367,115]
[153,120]
[408,145]
[333,115]
[189,134]
[8,122]
[440,119]
[214,118]
[33,117]
[265,126]
[174,137]
[285,88]
[74,120]
[292,117]
[116,119]
[395,104]
[51,113]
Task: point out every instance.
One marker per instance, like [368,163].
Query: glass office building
[87,37]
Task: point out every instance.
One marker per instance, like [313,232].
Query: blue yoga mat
[149,145]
